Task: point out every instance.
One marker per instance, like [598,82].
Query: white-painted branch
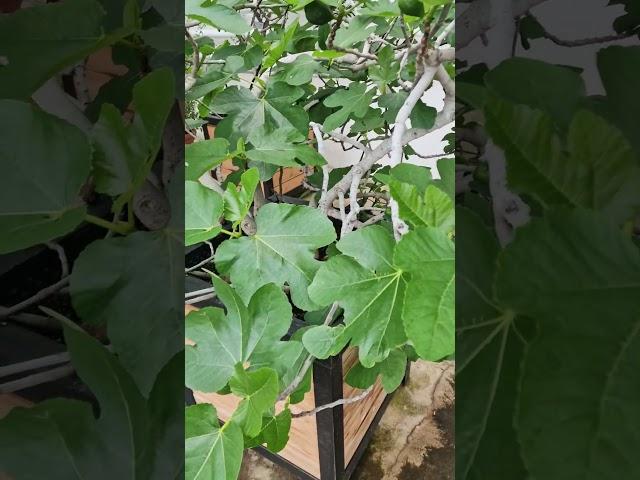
[336,403]
[36,379]
[444,34]
[400,124]
[203,262]
[343,215]
[53,99]
[349,222]
[196,293]
[335,134]
[399,128]
[193,301]
[45,292]
[326,169]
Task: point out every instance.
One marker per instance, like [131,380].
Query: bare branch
[193,301]
[45,292]
[399,128]
[338,136]
[36,379]
[444,34]
[337,403]
[203,262]
[444,118]
[46,361]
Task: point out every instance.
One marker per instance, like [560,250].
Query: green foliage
[201,157]
[84,446]
[246,333]
[272,259]
[547,325]
[391,369]
[383,295]
[211,451]
[281,251]
[125,153]
[353,102]
[318,13]
[259,391]
[57,156]
[203,209]
[43,29]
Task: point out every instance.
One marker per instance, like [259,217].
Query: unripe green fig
[411,7]
[318,13]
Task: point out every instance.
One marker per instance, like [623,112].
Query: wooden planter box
[329,445]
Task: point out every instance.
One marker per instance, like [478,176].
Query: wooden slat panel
[358,416]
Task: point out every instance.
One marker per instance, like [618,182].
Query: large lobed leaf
[203,210]
[587,170]
[43,174]
[201,157]
[124,152]
[131,439]
[247,333]
[390,294]
[142,309]
[274,111]
[585,269]
[281,252]
[45,29]
[212,452]
[216,15]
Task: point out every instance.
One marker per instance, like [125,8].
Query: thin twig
[343,401]
[191,78]
[193,301]
[587,41]
[341,137]
[41,295]
[372,220]
[199,292]
[203,262]
[36,379]
[46,361]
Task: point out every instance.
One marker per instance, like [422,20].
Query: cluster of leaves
[547,326]
[393,301]
[63,166]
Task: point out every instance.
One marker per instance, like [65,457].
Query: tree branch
[343,401]
[399,128]
[45,292]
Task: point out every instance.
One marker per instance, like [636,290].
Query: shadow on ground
[414,441]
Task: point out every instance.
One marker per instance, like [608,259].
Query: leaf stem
[231,234]
[122,229]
